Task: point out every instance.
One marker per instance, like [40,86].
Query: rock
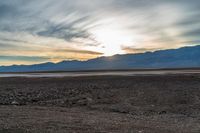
[89,100]
[15,103]
[162,112]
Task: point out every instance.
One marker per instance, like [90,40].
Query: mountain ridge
[185,57]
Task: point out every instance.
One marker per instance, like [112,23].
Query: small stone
[89,100]
[14,103]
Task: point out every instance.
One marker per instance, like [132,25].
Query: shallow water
[102,73]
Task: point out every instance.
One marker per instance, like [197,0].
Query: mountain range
[185,57]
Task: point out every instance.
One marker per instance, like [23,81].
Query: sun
[111,40]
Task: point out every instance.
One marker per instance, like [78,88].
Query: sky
[38,31]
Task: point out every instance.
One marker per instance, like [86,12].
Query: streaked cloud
[53,30]
[23,58]
[129,49]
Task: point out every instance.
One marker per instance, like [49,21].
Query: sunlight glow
[111,40]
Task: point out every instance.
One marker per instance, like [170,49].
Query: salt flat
[99,73]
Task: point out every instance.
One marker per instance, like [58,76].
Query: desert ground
[167,103]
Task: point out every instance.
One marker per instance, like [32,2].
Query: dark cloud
[27,17]
[14,41]
[7,46]
[6,11]
[23,58]
[78,51]
[189,21]
[132,49]
[66,31]
[194,33]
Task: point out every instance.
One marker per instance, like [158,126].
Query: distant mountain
[172,58]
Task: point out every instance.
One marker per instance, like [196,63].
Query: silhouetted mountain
[173,58]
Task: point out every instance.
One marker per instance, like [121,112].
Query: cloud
[67,31]
[78,51]
[67,27]
[129,49]
[23,58]
[7,11]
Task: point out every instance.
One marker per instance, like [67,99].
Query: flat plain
[167,103]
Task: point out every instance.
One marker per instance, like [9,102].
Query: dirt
[124,104]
